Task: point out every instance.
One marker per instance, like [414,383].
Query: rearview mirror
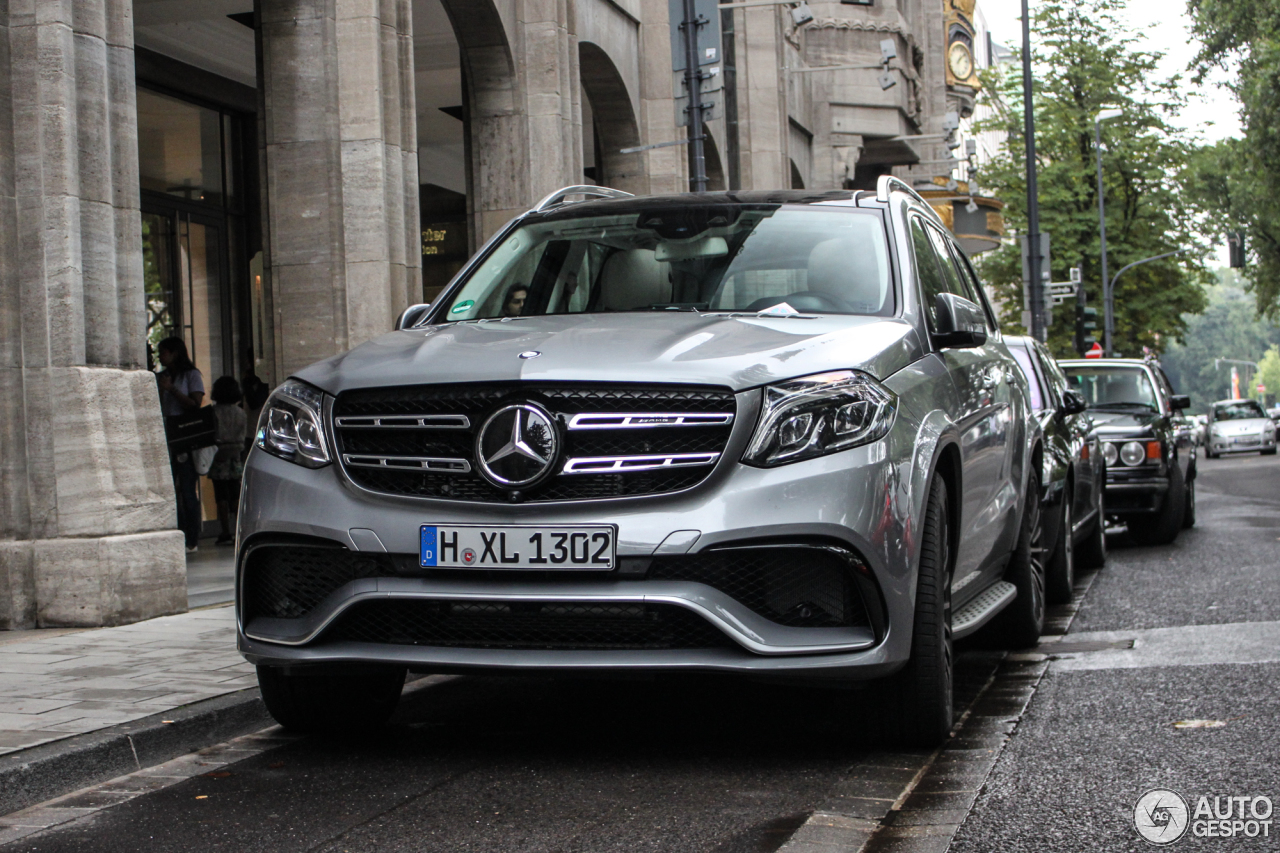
[1179,402]
[412,316]
[1073,402]
[961,323]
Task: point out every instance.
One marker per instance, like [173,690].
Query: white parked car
[1240,425]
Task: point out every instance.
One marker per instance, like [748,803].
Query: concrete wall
[83,466]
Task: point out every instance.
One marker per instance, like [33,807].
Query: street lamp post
[1035,285]
[1109,289]
[1109,322]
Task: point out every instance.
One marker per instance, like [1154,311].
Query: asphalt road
[1094,740]
[720,766]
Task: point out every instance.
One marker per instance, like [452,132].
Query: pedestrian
[228,465]
[182,391]
[255,397]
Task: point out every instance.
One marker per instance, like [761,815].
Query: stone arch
[715,166]
[498,185]
[615,120]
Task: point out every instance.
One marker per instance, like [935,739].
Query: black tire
[1189,509]
[1271,451]
[320,701]
[1163,527]
[1019,625]
[923,689]
[1060,571]
[1092,553]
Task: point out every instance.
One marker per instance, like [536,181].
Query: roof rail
[888,183]
[558,197]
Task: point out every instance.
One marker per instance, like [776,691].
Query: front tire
[1060,573]
[321,701]
[923,690]
[1019,625]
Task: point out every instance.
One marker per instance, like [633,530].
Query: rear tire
[1164,528]
[315,701]
[1060,573]
[923,690]
[1019,625]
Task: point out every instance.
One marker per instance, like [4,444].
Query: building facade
[275,180]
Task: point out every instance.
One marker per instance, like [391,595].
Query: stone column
[341,173]
[762,110]
[86,497]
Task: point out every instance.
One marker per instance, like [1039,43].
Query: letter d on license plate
[555,548]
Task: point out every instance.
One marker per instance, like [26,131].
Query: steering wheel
[805,300]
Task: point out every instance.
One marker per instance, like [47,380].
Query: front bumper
[1241,443]
[1135,495]
[844,500]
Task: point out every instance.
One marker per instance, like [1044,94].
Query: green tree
[1228,328]
[1086,61]
[1239,179]
[1269,373]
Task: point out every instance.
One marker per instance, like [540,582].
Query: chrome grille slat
[404,422]
[648,420]
[629,464]
[409,463]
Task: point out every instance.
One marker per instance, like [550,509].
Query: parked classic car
[1148,445]
[774,434]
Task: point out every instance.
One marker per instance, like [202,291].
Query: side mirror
[961,323]
[1180,402]
[411,316]
[1073,402]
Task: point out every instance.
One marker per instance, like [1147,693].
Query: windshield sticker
[463,306]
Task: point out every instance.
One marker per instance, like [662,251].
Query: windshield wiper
[1124,406]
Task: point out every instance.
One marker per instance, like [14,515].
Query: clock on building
[960,60]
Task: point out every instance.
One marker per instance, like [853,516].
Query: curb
[50,770]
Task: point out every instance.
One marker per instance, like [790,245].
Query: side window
[966,270]
[1053,375]
[1025,361]
[954,283]
[928,271]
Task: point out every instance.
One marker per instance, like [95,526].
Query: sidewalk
[56,684]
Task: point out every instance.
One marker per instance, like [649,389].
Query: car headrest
[634,278]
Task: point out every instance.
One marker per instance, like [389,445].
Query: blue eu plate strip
[428,548]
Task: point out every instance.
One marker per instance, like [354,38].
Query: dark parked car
[1148,445]
[1074,471]
[772,434]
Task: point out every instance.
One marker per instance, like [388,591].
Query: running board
[979,612]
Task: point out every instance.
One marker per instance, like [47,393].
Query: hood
[1124,423]
[738,352]
[1248,426]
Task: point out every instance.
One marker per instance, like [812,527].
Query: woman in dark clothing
[182,391]
[227,468]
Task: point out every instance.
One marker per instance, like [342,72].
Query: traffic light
[1086,327]
[1235,249]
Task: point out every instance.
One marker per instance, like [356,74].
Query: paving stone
[926,817]
[42,816]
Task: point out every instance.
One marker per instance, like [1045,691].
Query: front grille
[287,581]
[420,441]
[803,587]
[519,625]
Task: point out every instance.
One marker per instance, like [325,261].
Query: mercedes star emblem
[517,446]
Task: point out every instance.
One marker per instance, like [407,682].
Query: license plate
[476,546]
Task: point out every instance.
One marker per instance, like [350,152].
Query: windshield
[1113,387]
[1240,410]
[735,258]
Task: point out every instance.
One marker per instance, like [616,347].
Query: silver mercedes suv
[774,434]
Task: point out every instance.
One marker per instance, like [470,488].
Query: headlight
[291,425]
[1109,454]
[821,414]
[1132,453]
